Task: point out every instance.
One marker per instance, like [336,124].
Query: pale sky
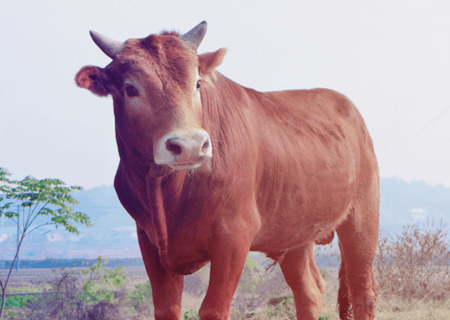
[392,58]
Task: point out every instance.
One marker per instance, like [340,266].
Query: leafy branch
[23,201]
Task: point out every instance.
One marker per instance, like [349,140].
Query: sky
[390,57]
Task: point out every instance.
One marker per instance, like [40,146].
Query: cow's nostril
[173,147]
[205,145]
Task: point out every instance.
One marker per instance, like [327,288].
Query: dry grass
[389,307]
[394,308]
[412,268]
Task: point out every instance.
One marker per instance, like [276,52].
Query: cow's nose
[189,147]
[184,150]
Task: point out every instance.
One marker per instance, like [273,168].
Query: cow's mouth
[185,165]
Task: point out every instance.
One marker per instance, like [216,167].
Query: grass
[394,308]
[388,308]
[18,301]
[262,294]
[28,289]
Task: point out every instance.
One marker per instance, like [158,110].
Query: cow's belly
[292,233]
[190,267]
[299,214]
[303,199]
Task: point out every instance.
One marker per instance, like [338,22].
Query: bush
[18,301]
[191,315]
[415,264]
[102,284]
[90,294]
[256,287]
[138,302]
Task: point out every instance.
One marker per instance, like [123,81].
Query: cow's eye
[131,91]
[199,84]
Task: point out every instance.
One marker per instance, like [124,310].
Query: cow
[210,170]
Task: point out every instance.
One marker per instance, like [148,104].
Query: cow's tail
[344,298]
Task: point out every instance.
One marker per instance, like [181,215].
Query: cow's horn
[194,37]
[110,47]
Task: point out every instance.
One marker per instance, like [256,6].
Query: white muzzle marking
[183,149]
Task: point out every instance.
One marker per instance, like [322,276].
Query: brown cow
[210,170]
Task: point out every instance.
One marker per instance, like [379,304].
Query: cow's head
[155,83]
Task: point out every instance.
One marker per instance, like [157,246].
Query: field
[263,307]
[412,269]
[29,278]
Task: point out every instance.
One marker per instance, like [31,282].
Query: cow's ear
[94,79]
[211,60]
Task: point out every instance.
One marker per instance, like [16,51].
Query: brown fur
[288,169]
[344,302]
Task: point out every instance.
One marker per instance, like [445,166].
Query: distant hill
[406,203]
[69,263]
[114,233]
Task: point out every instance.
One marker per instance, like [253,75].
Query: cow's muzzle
[183,150]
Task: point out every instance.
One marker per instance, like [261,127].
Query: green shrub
[101,283]
[142,294]
[18,301]
[191,315]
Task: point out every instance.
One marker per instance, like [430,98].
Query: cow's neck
[159,219]
[227,108]
[159,191]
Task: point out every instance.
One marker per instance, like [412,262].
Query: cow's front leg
[167,287]
[228,252]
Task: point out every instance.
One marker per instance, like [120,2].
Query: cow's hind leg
[167,287]
[358,239]
[304,278]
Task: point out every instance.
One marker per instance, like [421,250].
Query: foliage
[92,293]
[257,284]
[101,283]
[24,201]
[4,189]
[191,315]
[18,301]
[252,276]
[33,198]
[141,295]
[283,307]
[415,264]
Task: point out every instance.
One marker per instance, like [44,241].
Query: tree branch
[9,274]
[34,218]
[28,215]
[39,226]
[37,203]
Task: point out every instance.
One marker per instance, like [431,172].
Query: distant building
[419,214]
